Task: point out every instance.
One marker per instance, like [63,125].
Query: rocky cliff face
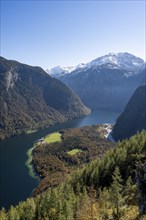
[31,99]
[133,118]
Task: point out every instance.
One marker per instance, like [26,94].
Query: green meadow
[54,137]
[74,151]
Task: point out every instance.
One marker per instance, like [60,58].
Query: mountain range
[31,99]
[106,83]
[86,174]
[133,118]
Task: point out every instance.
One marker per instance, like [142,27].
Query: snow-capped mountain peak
[120,60]
[60,71]
[124,61]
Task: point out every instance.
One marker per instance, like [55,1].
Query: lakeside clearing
[51,138]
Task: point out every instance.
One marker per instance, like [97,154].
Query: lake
[15,182]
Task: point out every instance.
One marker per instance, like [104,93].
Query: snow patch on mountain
[126,61]
[120,60]
[60,71]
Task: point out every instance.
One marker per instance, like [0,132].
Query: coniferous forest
[72,110]
[112,187]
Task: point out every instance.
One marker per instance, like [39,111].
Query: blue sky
[52,33]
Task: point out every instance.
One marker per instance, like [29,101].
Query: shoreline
[31,169]
[27,141]
[29,162]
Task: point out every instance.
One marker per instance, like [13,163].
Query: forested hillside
[103,189]
[60,154]
[31,99]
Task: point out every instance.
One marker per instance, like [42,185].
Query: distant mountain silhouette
[133,119]
[31,99]
[105,83]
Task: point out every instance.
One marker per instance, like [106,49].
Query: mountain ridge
[117,59]
[107,86]
[31,99]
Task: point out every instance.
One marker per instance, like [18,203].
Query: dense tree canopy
[103,189]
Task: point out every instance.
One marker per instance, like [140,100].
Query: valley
[43,160]
[18,180]
[72,110]
[31,99]
[106,83]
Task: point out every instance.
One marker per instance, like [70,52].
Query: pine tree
[104,203]
[13,214]
[129,191]
[67,210]
[116,190]
[3,214]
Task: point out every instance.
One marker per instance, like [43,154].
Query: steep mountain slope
[31,99]
[133,118]
[106,82]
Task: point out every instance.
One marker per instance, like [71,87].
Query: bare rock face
[10,78]
[141,181]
